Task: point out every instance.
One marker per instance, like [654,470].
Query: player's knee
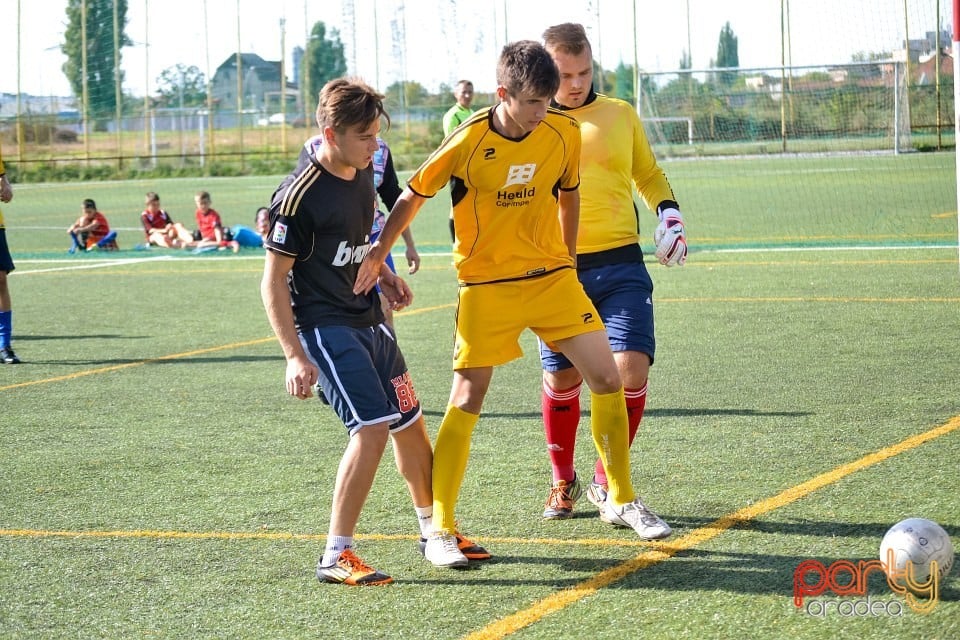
[562,379]
[605,382]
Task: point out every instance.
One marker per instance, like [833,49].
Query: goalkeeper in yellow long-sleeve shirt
[616,158]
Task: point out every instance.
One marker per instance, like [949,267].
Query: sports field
[158,483]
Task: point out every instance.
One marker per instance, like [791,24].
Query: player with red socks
[615,158]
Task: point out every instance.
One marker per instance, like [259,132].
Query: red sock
[636,401]
[561,416]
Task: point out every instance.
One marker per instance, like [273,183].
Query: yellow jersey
[616,156]
[504,194]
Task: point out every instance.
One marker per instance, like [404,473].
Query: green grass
[159,483]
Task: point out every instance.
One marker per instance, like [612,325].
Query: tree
[323,61]
[414,94]
[103,66]
[181,85]
[727,55]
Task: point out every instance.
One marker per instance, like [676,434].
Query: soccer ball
[918,541]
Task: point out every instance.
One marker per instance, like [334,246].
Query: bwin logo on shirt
[347,254]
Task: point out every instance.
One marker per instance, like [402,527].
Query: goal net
[841,108]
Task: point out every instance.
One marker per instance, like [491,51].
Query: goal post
[654,123]
[853,106]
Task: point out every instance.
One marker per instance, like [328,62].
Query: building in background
[262,86]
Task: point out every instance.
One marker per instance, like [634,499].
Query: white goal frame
[654,119]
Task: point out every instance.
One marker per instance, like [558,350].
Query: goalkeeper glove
[670,238]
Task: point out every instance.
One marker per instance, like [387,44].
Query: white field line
[78,267]
[840,248]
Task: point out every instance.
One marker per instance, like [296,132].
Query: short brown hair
[569,37]
[346,103]
[526,67]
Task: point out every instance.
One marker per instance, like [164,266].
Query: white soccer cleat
[597,495]
[442,550]
[638,517]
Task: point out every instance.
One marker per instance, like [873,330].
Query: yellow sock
[450,455]
[608,423]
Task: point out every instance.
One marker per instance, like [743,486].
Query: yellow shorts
[491,317]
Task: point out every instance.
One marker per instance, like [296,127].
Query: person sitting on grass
[210,233]
[91,230]
[262,222]
[159,227]
[248,237]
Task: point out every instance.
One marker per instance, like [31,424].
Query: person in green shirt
[459,112]
[456,115]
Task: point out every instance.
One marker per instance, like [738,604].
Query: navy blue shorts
[623,295]
[363,376]
[6,260]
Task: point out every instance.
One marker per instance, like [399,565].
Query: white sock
[335,545]
[425,518]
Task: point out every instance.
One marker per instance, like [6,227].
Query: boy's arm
[569,214]
[301,373]
[402,214]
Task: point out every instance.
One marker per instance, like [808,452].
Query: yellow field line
[656,551]
[156,534]
[838,299]
[185,354]
[138,363]
[517,621]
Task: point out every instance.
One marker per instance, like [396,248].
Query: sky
[446,40]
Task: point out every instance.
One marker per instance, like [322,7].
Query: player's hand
[369,271]
[670,238]
[301,376]
[6,191]
[413,260]
[395,290]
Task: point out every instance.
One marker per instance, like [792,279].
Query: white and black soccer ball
[919,541]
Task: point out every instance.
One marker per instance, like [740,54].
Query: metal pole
[906,76]
[636,64]
[283,84]
[84,94]
[19,92]
[146,76]
[206,49]
[937,79]
[240,90]
[896,109]
[118,94]
[376,47]
[783,76]
[956,104]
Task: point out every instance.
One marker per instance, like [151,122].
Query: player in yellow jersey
[515,168]
[615,158]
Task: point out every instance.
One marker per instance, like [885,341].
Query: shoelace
[647,517]
[355,564]
[450,543]
[557,495]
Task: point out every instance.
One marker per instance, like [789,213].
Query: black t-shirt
[324,222]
